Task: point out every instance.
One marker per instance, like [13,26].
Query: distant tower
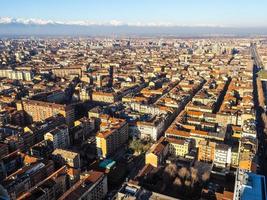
[110,84]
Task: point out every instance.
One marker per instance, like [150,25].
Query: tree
[182,172]
[194,175]
[205,176]
[140,146]
[187,183]
[171,169]
[136,146]
[177,181]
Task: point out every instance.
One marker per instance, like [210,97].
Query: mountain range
[34,27]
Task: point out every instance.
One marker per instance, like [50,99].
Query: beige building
[40,110]
[104,97]
[68,157]
[179,147]
[68,71]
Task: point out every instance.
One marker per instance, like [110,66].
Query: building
[131,191]
[179,147]
[59,136]
[206,151]
[151,129]
[67,72]
[222,156]
[3,150]
[104,97]
[40,110]
[27,177]
[93,186]
[51,187]
[68,157]
[234,157]
[156,154]
[16,75]
[113,134]
[250,186]
[82,129]
[247,154]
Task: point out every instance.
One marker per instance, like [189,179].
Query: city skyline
[133,100]
[206,13]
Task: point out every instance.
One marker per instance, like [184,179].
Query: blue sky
[241,13]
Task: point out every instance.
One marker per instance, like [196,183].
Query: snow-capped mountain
[22,26]
[9,20]
[32,21]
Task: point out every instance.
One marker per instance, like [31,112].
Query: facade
[68,71]
[179,147]
[152,129]
[16,75]
[156,154]
[39,110]
[222,156]
[59,136]
[68,157]
[109,140]
[234,158]
[3,150]
[206,151]
[104,97]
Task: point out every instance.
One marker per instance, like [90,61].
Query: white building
[222,156]
[59,136]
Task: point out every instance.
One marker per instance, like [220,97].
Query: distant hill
[17,27]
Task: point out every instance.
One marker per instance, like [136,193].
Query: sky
[233,13]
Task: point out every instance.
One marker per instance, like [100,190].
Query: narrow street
[259,101]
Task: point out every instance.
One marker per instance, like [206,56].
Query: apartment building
[151,129]
[104,97]
[113,134]
[247,154]
[93,186]
[40,110]
[67,157]
[67,72]
[206,151]
[59,136]
[51,187]
[179,147]
[222,156]
[156,154]
[16,75]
